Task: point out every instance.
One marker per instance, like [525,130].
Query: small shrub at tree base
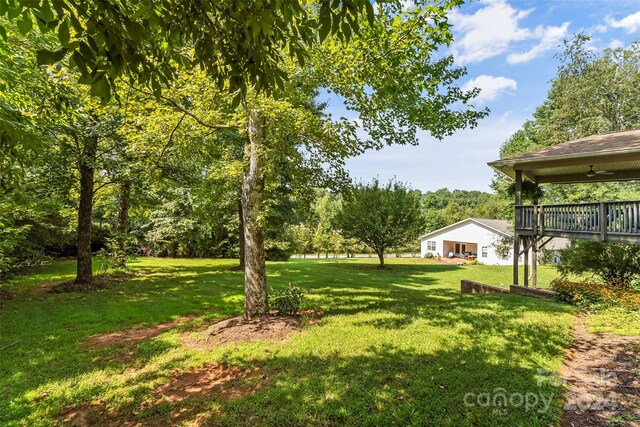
[595,296]
[286,301]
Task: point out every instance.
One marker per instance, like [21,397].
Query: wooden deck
[606,221]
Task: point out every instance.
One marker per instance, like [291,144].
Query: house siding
[469,232]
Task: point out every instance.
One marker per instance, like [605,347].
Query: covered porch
[462,250]
[610,157]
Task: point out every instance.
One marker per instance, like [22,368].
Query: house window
[485,251]
[431,245]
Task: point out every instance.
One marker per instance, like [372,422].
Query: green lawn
[400,346]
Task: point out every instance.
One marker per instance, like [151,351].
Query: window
[431,245]
[485,251]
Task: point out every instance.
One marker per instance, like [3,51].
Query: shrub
[615,264]
[429,255]
[595,296]
[286,301]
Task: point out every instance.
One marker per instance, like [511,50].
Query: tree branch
[104,184]
[183,110]
[171,136]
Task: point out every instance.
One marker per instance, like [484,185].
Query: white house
[474,237]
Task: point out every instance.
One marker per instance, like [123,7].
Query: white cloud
[494,28]
[488,32]
[550,37]
[630,23]
[490,87]
[615,44]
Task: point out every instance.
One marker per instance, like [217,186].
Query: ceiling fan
[591,173]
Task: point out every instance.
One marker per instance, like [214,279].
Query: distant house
[478,238]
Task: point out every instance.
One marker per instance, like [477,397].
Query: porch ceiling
[615,152]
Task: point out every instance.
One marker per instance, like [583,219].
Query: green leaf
[346,29]
[46,57]
[25,24]
[371,16]
[3,33]
[325,27]
[45,12]
[63,33]
[236,100]
[157,89]
[100,87]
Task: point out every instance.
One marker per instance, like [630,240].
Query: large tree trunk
[241,242]
[255,272]
[381,258]
[84,272]
[123,221]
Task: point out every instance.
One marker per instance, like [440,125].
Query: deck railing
[605,221]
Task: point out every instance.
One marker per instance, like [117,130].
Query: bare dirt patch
[213,380]
[132,335]
[238,329]
[5,295]
[602,374]
[98,283]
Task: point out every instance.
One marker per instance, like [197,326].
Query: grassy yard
[400,346]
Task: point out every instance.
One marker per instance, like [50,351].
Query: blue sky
[508,47]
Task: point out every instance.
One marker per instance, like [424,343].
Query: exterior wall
[468,232]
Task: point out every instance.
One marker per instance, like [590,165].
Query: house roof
[499,226]
[614,152]
[557,243]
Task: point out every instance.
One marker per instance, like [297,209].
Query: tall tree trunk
[241,241]
[255,271]
[123,221]
[84,272]
[381,258]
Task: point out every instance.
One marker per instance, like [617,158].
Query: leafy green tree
[381,216]
[238,44]
[615,264]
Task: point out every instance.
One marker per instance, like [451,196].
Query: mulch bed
[98,283]
[238,329]
[602,375]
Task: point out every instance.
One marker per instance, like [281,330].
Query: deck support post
[603,215]
[525,256]
[516,240]
[534,263]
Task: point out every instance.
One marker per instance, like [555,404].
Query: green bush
[286,301]
[614,264]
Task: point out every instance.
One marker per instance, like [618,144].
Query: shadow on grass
[383,386]
[386,384]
